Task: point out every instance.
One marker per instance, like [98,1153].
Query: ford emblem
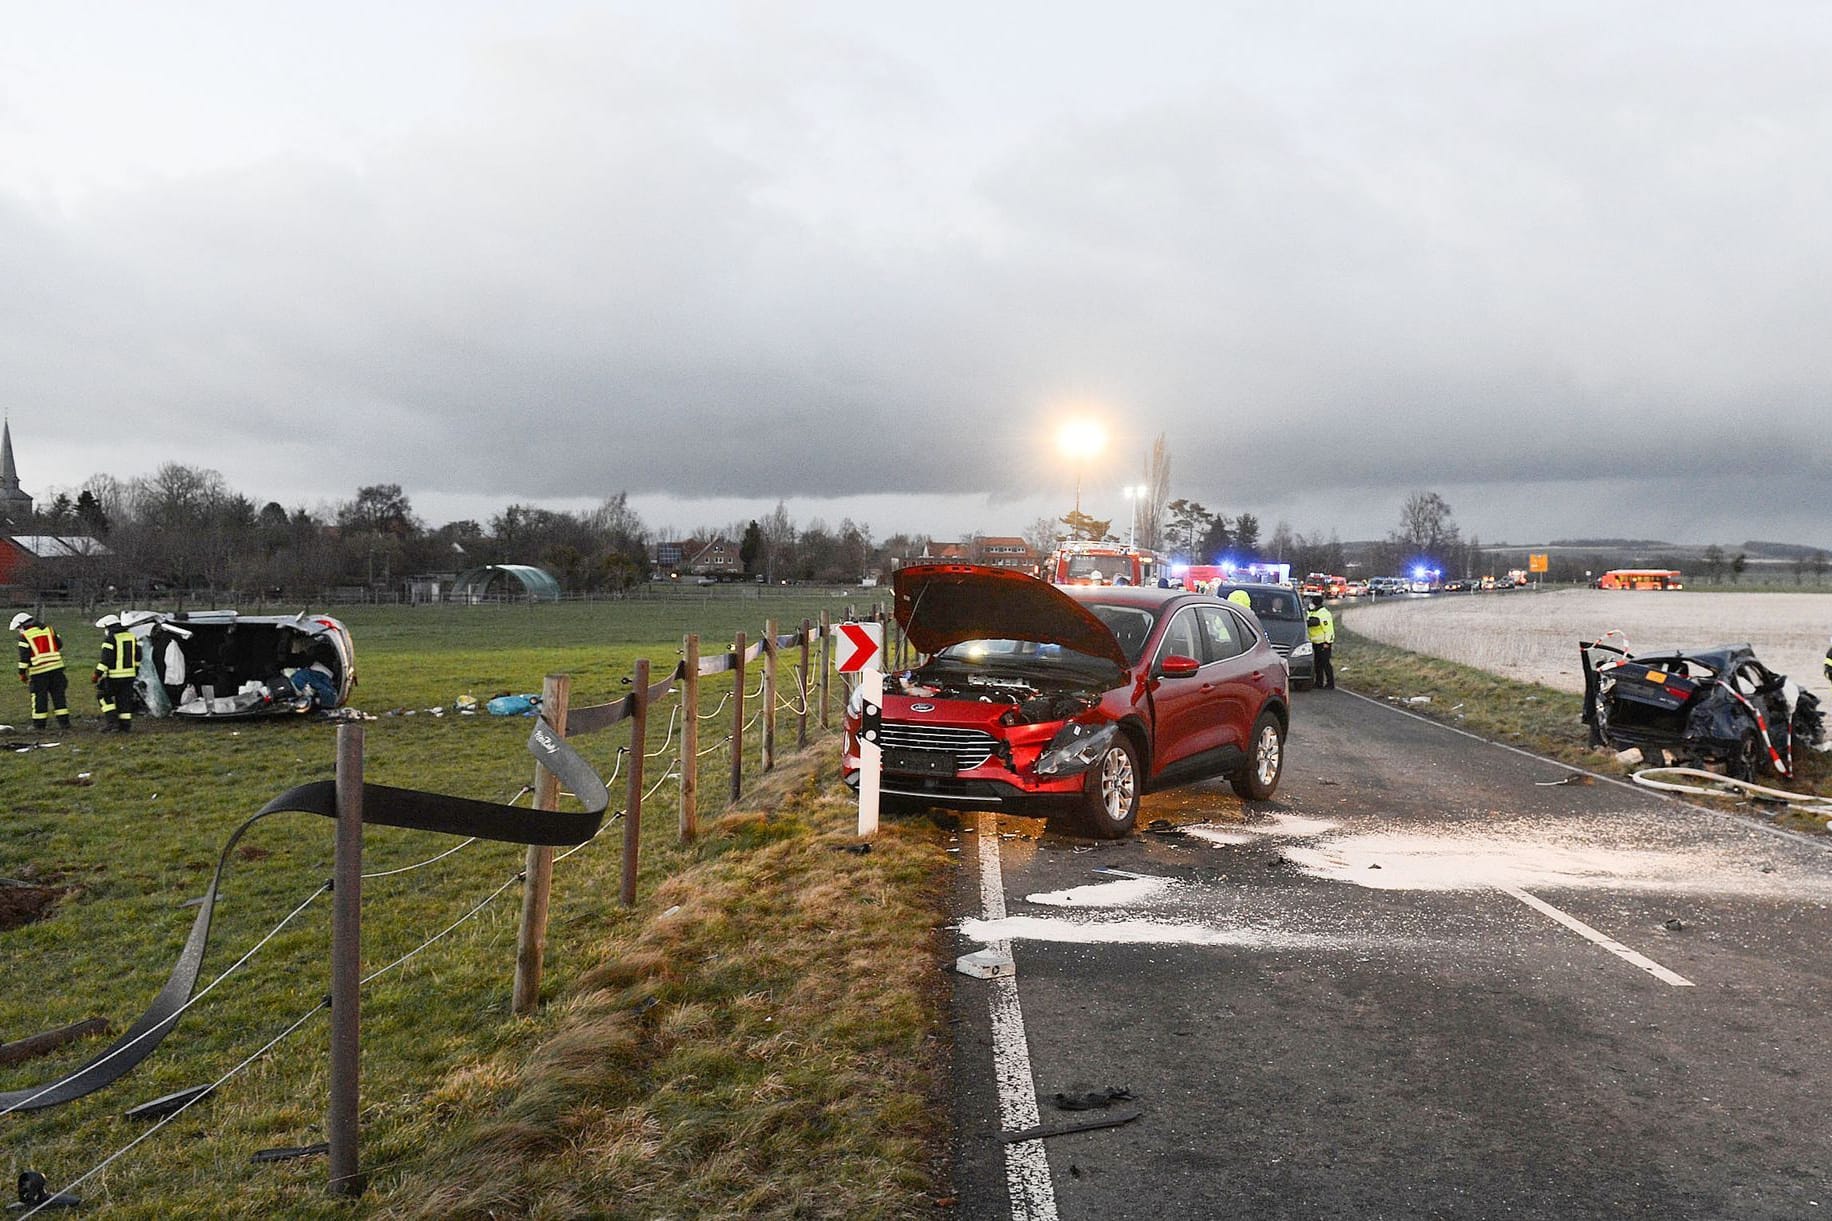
[922,707]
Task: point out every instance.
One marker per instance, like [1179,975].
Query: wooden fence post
[826,663]
[737,716]
[690,737]
[537,869]
[632,815]
[802,690]
[769,695]
[346,964]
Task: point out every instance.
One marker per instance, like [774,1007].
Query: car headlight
[1303,649]
[1075,748]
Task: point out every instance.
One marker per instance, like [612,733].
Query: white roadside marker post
[871,753]
[860,650]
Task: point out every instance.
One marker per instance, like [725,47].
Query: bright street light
[1135,493]
[1079,441]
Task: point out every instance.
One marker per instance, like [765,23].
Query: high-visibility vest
[1321,626]
[40,651]
[120,656]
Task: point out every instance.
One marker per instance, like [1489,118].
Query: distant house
[718,558]
[1000,551]
[668,557]
[45,560]
[1007,552]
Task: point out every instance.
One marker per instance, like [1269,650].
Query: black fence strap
[383,806]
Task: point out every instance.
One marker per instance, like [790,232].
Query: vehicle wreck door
[1184,707]
[1231,669]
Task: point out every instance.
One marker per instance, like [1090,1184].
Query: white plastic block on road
[986,964]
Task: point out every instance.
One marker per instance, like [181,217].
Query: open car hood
[943,604]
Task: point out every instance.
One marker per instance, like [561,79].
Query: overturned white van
[219,664]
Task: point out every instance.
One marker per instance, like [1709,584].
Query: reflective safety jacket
[120,656]
[40,650]
[1320,626]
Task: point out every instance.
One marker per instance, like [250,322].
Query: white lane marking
[1590,934]
[1027,1167]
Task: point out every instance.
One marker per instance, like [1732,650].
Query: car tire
[1259,778]
[1110,802]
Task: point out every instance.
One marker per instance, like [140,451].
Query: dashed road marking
[1590,934]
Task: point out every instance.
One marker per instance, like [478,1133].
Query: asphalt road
[1387,994]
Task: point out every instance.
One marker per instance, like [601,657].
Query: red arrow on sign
[858,645]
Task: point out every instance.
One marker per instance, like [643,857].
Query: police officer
[41,667]
[1320,626]
[114,674]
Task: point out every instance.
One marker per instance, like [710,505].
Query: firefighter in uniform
[41,667]
[1320,626]
[114,674]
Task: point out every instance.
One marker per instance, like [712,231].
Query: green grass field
[130,827]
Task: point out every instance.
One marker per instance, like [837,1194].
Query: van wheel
[1110,801]
[1265,760]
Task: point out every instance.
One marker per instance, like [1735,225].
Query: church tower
[15,503]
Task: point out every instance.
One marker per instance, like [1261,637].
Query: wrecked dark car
[1035,697]
[1716,706]
[216,665]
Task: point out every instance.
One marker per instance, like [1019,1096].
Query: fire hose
[1715,785]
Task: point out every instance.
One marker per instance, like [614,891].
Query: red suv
[1035,696]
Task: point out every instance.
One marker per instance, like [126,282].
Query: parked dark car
[1705,706]
[1036,697]
[1281,615]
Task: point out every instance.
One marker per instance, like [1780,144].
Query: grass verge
[785,1066]
[760,1039]
[1535,718]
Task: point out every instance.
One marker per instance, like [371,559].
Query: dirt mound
[22,902]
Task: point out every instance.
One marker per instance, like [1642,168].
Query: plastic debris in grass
[514,705]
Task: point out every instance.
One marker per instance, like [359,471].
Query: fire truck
[1102,564]
[1326,585]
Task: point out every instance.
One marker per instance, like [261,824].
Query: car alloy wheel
[1112,795]
[1259,777]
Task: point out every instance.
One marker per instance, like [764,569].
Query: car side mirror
[1178,666]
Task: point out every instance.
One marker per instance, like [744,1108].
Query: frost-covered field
[1534,636]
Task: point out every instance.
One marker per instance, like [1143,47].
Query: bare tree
[1426,526]
[1040,536]
[779,540]
[1157,496]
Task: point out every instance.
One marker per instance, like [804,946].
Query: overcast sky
[1565,264]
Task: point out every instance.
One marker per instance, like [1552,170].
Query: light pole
[1135,496]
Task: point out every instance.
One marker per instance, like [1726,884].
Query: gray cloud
[1359,255]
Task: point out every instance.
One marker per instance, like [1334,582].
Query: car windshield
[1021,654]
[1096,566]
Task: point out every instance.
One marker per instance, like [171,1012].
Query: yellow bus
[1640,578]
